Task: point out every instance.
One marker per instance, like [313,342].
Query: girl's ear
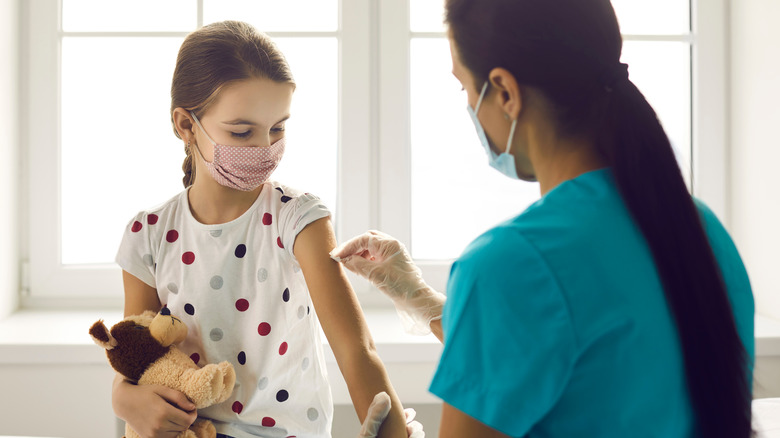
[510,95]
[182,121]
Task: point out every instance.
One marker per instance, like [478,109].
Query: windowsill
[61,337]
[58,337]
[767,336]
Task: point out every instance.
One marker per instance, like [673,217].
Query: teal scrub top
[556,324]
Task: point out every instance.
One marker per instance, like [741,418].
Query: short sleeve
[135,253]
[296,215]
[509,345]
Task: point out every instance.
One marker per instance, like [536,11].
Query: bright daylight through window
[102,74]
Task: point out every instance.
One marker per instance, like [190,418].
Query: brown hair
[215,55]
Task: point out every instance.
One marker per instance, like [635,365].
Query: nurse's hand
[377,412]
[385,262]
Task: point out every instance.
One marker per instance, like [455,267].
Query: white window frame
[709,133]
[374,140]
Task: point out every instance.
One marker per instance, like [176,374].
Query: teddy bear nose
[165,311]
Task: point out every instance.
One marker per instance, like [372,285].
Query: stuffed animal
[141,348]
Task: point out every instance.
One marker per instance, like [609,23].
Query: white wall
[755,145]
[9,155]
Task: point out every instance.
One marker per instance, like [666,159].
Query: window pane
[662,71]
[310,159]
[451,178]
[137,15]
[276,16]
[426,15]
[654,17]
[119,154]
[116,127]
[456,195]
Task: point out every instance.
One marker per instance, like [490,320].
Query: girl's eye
[278,129]
[241,134]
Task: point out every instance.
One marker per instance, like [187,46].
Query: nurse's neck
[556,159]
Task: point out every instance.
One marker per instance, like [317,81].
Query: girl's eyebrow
[248,122]
[239,122]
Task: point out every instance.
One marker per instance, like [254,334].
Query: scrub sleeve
[507,331]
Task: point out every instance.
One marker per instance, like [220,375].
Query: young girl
[244,261]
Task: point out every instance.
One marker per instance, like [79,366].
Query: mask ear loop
[197,122]
[511,135]
[481,96]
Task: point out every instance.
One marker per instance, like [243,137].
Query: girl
[244,260]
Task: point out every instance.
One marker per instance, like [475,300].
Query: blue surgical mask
[504,163]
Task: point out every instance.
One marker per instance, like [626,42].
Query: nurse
[617,305]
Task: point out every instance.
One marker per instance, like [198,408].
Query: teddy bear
[141,348]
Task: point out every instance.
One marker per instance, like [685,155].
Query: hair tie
[614,76]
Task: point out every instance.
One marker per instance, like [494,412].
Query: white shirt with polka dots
[241,292]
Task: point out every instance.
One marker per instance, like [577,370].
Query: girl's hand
[377,413]
[153,411]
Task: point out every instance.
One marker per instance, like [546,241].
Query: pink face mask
[242,168]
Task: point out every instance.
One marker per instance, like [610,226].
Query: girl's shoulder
[161,211]
[290,198]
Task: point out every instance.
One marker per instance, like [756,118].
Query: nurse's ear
[510,94]
[183,124]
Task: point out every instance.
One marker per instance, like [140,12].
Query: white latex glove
[377,412]
[384,261]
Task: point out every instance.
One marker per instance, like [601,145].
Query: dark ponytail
[570,50]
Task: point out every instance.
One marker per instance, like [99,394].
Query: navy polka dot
[286,295]
[282,396]
[189,308]
[242,358]
[241,251]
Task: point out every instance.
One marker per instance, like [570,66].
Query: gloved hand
[385,262]
[377,412]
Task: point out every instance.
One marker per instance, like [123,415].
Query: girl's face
[250,112]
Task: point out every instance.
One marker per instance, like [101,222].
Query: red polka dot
[188,257]
[242,305]
[136,227]
[283,348]
[171,236]
[152,219]
[264,328]
[238,407]
[267,219]
[268,422]
[279,242]
[195,357]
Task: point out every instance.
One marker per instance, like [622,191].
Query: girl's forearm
[366,376]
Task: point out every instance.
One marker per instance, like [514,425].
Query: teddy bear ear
[102,336]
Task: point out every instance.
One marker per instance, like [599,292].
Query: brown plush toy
[141,348]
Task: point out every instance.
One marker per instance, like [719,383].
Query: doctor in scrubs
[615,306]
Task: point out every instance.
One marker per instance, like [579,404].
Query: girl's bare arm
[344,325]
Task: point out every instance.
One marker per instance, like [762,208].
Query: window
[379,127]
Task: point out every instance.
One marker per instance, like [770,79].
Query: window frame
[374,138]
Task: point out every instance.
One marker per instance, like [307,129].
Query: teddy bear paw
[203,429]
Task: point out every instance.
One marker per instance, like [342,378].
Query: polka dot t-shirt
[241,292]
